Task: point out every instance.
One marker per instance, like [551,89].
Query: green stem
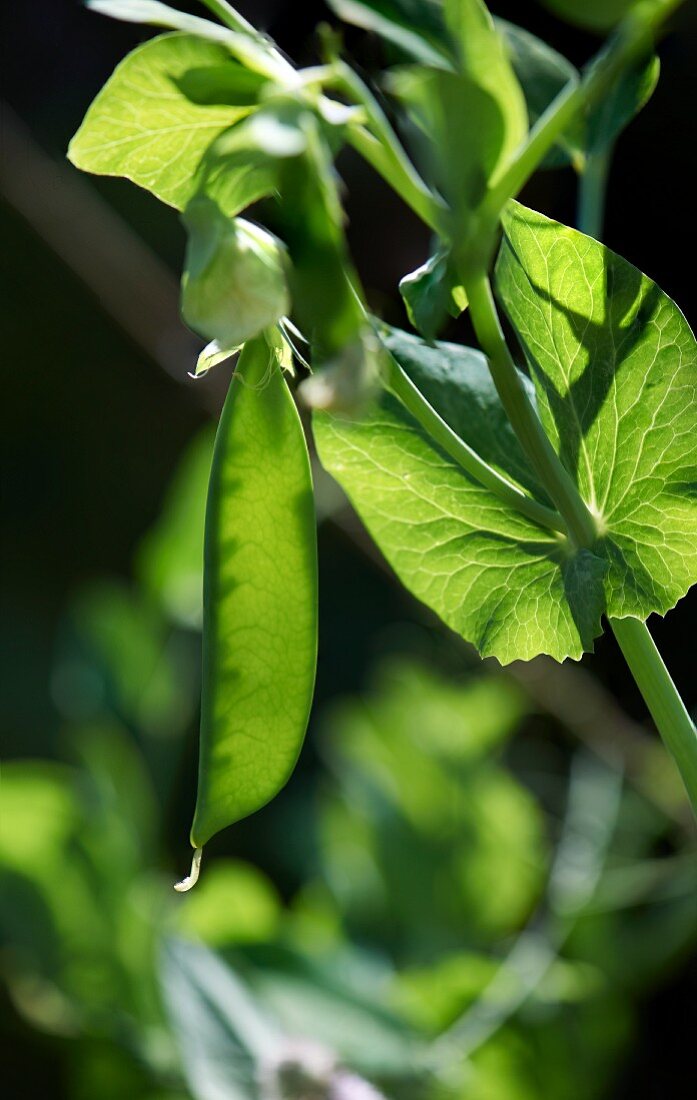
[633,35]
[592,188]
[661,697]
[524,420]
[279,67]
[231,18]
[379,145]
[442,434]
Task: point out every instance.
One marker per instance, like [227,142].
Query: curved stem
[524,420]
[661,697]
[415,402]
[379,145]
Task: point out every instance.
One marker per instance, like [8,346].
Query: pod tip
[192,878]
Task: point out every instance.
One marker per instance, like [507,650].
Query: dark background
[93,426]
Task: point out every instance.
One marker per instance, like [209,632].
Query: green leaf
[615,369]
[431,292]
[484,59]
[598,15]
[260,598]
[481,102]
[234,283]
[511,588]
[415,26]
[240,38]
[630,92]
[169,560]
[144,127]
[543,74]
[427,836]
[222,1033]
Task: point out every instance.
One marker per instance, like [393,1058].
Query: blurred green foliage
[457,934]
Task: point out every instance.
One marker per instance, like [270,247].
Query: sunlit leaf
[144,127]
[510,587]
[260,598]
[615,369]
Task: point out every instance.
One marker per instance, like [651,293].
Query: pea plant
[524,490]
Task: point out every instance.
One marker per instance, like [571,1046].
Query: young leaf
[481,102]
[511,588]
[143,126]
[615,369]
[598,15]
[484,60]
[415,27]
[543,74]
[234,283]
[431,293]
[260,598]
[629,94]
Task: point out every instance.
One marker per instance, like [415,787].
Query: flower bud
[234,283]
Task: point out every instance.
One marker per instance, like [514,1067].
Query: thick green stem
[414,401]
[634,35]
[661,697]
[592,186]
[524,420]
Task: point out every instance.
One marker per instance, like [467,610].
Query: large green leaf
[143,126]
[615,369]
[260,598]
[510,587]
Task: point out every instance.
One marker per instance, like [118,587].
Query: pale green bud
[234,283]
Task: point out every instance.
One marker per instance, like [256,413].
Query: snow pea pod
[260,598]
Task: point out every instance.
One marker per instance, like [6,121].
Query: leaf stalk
[661,696]
[524,420]
[442,434]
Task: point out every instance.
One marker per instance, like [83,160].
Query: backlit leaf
[615,368]
[143,126]
[260,598]
[511,588]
